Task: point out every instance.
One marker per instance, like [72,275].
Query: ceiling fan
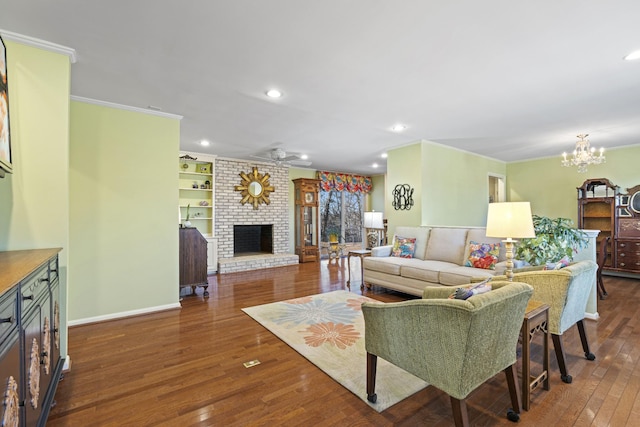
[281,157]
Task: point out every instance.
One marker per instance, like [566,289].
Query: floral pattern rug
[328,329]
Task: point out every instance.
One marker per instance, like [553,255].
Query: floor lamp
[510,220]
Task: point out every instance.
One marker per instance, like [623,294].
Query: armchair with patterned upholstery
[567,292]
[454,345]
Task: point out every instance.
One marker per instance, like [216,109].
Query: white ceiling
[511,80]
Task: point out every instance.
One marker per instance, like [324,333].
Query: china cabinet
[306,219]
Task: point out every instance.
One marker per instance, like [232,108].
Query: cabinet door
[32,393]
[10,377]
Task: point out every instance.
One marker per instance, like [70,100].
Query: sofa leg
[372,363]
[557,345]
[460,414]
[585,343]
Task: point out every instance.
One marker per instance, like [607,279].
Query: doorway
[497,189]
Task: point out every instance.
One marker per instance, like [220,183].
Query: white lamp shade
[510,220]
[373,220]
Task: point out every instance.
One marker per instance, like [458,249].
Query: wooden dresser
[30,359]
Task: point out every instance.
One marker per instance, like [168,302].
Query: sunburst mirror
[255,188]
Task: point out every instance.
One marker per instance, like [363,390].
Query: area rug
[328,329]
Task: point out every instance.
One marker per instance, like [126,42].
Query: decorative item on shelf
[194,185]
[509,220]
[374,224]
[583,155]
[402,197]
[207,184]
[187,223]
[255,188]
[554,240]
[204,203]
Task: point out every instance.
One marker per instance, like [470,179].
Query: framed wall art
[5,135]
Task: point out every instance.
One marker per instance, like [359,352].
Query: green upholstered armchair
[454,345]
[567,292]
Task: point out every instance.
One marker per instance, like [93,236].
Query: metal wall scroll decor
[255,188]
[402,197]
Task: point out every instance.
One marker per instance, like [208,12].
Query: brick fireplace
[229,214]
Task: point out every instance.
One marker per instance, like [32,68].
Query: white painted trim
[592,316]
[40,44]
[122,314]
[125,107]
[67,364]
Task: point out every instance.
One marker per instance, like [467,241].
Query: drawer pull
[9,319]
[622,254]
[43,279]
[25,297]
[622,264]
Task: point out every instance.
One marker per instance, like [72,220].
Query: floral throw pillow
[483,255]
[404,247]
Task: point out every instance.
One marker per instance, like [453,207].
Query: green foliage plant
[555,239]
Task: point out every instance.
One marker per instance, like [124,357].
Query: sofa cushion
[458,275]
[403,247]
[427,270]
[422,237]
[389,265]
[482,255]
[480,235]
[447,244]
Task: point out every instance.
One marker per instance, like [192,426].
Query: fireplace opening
[252,239]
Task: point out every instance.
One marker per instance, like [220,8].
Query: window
[341,213]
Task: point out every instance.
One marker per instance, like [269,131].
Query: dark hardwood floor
[185,367]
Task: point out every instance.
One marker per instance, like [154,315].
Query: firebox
[252,239]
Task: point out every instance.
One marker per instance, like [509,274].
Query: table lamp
[373,221]
[510,220]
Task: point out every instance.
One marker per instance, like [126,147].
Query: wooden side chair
[602,258]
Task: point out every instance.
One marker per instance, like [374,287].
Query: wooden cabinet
[196,198]
[306,219]
[597,211]
[193,259]
[601,206]
[628,231]
[30,360]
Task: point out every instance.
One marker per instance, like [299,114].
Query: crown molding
[126,107]
[41,44]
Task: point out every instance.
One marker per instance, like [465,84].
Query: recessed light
[304,156]
[383,155]
[273,93]
[375,165]
[205,143]
[632,56]
[398,127]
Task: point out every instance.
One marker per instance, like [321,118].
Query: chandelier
[583,155]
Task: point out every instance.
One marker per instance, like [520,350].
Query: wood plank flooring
[185,367]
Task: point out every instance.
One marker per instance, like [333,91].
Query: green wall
[551,188]
[450,186]
[34,199]
[123,210]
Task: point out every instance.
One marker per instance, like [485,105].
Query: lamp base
[508,246]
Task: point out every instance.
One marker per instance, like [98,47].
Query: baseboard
[592,316]
[122,314]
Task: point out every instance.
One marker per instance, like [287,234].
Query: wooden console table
[193,260]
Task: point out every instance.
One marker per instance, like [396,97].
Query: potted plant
[555,239]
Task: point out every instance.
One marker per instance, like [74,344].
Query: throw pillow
[404,247]
[483,255]
[557,265]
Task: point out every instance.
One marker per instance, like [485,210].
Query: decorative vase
[187,223]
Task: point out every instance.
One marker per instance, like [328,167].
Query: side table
[360,253]
[536,319]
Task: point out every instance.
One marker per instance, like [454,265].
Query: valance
[344,182]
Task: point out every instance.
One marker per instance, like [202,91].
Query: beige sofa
[438,260]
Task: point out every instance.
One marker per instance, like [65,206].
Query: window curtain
[344,182]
